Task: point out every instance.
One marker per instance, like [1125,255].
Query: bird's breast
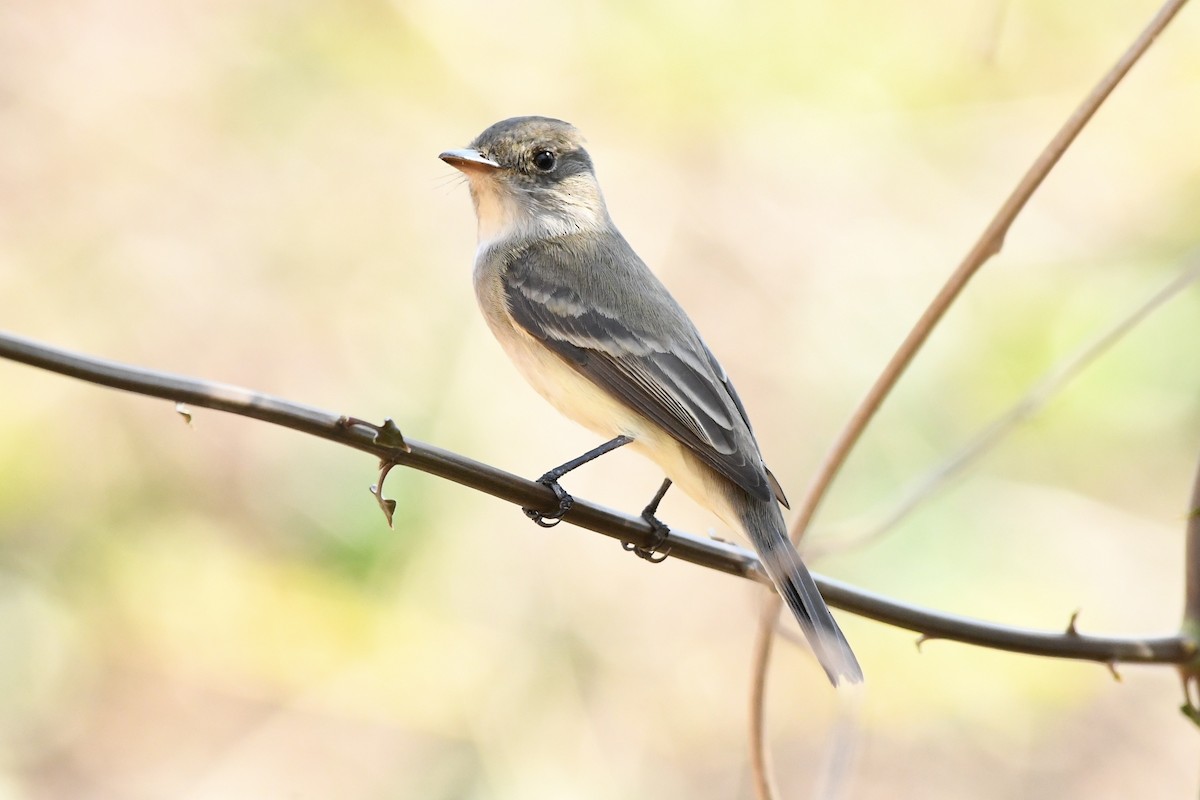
[562,386]
[580,400]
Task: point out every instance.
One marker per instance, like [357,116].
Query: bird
[599,336]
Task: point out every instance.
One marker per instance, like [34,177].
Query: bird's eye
[545,160]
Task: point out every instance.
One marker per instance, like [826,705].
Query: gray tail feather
[767,532]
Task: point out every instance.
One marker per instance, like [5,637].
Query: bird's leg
[550,481]
[651,553]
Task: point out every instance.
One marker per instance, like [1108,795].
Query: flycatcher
[597,335]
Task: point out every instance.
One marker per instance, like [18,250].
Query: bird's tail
[764,526]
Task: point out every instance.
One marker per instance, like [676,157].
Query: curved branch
[1191,606]
[1192,563]
[987,245]
[705,552]
[1034,399]
[1190,671]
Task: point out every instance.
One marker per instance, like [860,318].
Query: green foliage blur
[249,193]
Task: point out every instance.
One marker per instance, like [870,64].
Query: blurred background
[249,193]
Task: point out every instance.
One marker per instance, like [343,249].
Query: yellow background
[249,193]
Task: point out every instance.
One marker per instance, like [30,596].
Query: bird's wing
[776,489]
[671,379]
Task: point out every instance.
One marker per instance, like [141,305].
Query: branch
[705,552]
[1034,399]
[1190,671]
[1191,608]
[424,457]
[988,245]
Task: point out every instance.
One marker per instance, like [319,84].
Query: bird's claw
[658,539]
[565,502]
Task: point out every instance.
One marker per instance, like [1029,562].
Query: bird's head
[530,177]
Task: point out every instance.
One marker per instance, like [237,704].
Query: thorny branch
[391,447]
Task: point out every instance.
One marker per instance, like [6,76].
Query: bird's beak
[468,160]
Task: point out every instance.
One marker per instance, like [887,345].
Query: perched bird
[597,335]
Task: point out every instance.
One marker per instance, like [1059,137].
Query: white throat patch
[504,215]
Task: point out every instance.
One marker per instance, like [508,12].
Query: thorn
[1112,668]
[390,436]
[998,244]
[922,639]
[386,504]
[1071,629]
[387,434]
[182,411]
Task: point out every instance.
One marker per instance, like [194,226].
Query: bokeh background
[249,193]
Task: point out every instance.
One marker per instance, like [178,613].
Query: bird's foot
[658,539]
[565,502]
